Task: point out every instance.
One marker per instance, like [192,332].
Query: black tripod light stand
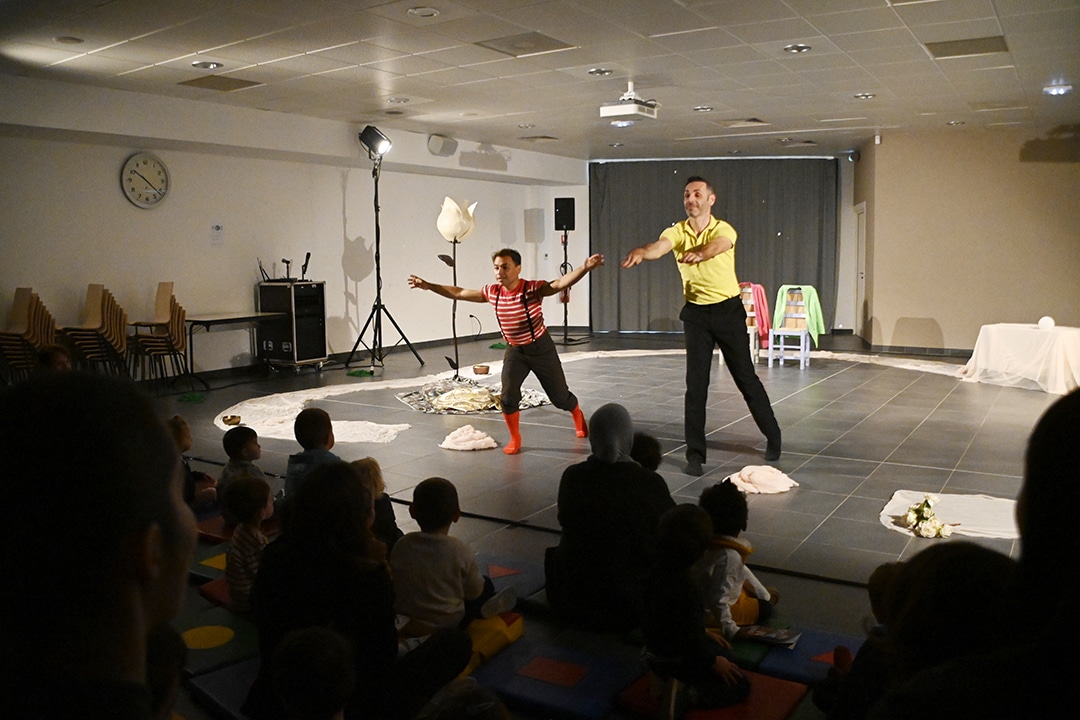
[377,145]
[565,268]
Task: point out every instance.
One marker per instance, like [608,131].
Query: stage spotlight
[374,141]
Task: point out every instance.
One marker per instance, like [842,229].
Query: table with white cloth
[1027,356]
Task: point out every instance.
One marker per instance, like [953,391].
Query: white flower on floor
[921,520]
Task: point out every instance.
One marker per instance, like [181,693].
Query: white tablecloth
[1022,355]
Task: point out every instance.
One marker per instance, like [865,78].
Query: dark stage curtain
[784,211]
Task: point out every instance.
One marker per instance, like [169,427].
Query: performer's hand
[593,261]
[416,282]
[692,258]
[634,257]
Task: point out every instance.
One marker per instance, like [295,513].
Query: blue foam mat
[592,696]
[798,664]
[223,691]
[527,578]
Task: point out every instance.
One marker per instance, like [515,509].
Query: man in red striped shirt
[529,347]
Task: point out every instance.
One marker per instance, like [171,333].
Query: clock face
[144,180]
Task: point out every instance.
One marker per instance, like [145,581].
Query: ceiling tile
[699,40]
[736,12]
[931,13]
[881,18]
[790,30]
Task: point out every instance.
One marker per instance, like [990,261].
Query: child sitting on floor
[200,489]
[385,527]
[854,684]
[437,582]
[677,643]
[248,500]
[241,444]
[315,433]
[733,596]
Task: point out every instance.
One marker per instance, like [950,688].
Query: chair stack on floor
[165,346]
[101,339]
[30,328]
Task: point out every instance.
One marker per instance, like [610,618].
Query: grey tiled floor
[854,432]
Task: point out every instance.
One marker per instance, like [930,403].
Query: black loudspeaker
[564,213]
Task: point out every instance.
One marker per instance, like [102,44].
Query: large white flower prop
[455,222]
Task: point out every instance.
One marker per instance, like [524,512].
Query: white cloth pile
[763,479]
[467,437]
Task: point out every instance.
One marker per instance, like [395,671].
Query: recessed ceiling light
[397,100]
[702,108]
[955,123]
[865,96]
[783,140]
[68,40]
[207,65]
[423,12]
[1057,89]
[621,123]
[615,145]
[734,152]
[526,126]
[600,72]
[798,48]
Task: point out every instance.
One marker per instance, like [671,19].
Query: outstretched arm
[652,251]
[447,291]
[570,278]
[719,244]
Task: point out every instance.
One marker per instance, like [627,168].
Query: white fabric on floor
[763,479]
[971,515]
[467,437]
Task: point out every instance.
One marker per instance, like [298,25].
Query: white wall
[280,186]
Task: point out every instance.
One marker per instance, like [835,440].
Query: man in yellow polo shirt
[712,316]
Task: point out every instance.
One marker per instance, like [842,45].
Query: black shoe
[693,467]
[772,450]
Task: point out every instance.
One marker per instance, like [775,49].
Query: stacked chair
[30,328]
[165,346]
[101,339]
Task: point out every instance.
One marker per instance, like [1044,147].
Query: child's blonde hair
[371,475]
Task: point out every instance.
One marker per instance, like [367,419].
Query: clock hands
[152,186]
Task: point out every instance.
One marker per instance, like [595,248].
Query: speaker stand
[564,296]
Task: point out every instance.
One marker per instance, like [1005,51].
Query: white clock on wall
[144,180]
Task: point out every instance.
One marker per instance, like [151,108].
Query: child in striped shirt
[248,500]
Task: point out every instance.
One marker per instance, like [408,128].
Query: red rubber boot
[514,445]
[580,426]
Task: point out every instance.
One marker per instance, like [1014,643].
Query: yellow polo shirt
[706,282]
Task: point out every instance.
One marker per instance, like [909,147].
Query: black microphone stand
[377,308]
[565,297]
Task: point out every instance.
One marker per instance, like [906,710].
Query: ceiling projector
[629,104]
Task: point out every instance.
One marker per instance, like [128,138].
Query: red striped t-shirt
[520,322]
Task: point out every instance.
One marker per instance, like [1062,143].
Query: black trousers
[705,327]
[540,358]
